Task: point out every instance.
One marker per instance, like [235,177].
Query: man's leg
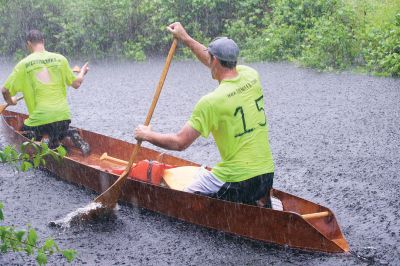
[31,132]
[78,141]
[55,131]
[205,183]
[249,191]
[266,185]
[52,132]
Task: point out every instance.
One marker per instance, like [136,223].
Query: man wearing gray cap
[234,114]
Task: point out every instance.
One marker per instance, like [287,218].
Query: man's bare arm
[80,77]
[179,141]
[7,97]
[197,48]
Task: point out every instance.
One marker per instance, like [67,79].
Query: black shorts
[56,131]
[248,191]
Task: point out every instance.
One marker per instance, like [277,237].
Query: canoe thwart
[315,215]
[105,156]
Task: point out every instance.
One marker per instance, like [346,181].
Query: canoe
[301,224]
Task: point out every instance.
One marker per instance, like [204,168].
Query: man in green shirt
[43,77]
[234,114]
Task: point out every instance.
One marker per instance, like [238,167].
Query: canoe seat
[179,178]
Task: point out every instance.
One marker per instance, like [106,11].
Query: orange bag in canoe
[148,171]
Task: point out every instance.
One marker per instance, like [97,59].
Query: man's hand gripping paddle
[4,106]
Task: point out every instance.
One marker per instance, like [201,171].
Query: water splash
[94,211]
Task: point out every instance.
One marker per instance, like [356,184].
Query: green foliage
[134,51]
[286,27]
[13,240]
[31,155]
[27,240]
[381,48]
[330,44]
[324,34]
[1,211]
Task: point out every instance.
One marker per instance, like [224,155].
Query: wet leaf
[45,149]
[19,235]
[49,244]
[25,156]
[4,248]
[41,258]
[36,161]
[61,151]
[25,166]
[29,249]
[69,254]
[13,154]
[32,237]
[3,157]
[54,155]
[24,146]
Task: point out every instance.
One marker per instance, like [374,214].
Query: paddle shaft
[4,106]
[110,197]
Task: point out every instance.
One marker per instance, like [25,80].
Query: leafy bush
[330,43]
[134,51]
[382,48]
[12,239]
[15,240]
[326,34]
[31,155]
[285,28]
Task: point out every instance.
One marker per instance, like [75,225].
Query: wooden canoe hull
[281,227]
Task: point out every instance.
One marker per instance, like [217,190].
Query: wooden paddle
[4,106]
[110,197]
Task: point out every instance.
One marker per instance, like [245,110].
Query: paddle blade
[91,212]
[102,206]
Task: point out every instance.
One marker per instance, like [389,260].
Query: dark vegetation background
[323,34]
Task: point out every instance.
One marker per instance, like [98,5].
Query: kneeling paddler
[43,77]
[234,114]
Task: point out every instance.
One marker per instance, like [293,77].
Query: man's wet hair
[228,64]
[35,36]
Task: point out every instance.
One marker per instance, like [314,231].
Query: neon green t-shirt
[234,114]
[43,77]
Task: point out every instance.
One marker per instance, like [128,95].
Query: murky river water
[335,140]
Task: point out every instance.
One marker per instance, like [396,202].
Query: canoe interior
[249,221]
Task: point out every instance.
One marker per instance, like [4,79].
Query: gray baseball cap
[224,49]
